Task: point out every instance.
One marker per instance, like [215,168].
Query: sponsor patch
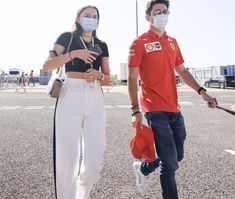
[154,46]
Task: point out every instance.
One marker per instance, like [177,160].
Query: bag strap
[60,69]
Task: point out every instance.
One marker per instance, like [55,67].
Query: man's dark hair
[151,3]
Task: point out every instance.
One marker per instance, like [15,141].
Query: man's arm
[133,93]
[187,77]
[133,86]
[191,82]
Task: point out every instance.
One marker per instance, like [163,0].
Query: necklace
[92,84]
[84,45]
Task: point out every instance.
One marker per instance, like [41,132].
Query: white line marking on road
[33,107]
[123,106]
[230,151]
[10,107]
[109,106]
[34,97]
[219,104]
[204,138]
[36,91]
[226,96]
[186,103]
[26,90]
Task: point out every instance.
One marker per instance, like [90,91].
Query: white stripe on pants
[80,109]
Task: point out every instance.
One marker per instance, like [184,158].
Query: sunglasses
[159,12]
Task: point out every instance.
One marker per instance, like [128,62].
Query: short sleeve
[64,39]
[104,48]
[135,55]
[179,58]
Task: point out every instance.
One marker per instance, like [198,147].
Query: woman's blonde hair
[77,27]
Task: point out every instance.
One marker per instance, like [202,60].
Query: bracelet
[135,113]
[201,89]
[102,78]
[54,52]
[135,106]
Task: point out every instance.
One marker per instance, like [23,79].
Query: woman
[80,107]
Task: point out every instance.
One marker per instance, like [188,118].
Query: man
[155,57]
[31,78]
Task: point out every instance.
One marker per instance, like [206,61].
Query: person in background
[22,79]
[2,78]
[31,78]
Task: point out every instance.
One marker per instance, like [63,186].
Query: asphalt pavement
[26,167]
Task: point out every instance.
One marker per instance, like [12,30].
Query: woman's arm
[54,61]
[105,69]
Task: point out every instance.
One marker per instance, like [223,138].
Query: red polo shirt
[156,59]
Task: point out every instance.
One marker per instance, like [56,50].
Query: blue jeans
[169,135]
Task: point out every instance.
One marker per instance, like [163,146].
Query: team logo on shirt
[172,45]
[154,46]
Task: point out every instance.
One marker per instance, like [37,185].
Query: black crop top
[78,64]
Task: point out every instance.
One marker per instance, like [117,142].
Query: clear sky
[204,29]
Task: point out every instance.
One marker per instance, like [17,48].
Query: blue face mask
[89,24]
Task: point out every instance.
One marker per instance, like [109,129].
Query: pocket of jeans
[160,124]
[156,116]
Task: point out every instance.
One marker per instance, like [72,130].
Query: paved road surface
[207,171]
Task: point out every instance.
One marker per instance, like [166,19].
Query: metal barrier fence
[7,82]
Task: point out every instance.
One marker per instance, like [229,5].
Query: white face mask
[160,22]
[89,24]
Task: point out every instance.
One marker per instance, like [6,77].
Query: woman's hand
[92,74]
[86,55]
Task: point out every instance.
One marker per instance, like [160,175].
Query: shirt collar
[152,34]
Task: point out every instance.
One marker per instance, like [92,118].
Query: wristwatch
[201,89]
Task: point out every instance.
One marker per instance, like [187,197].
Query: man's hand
[137,118]
[210,100]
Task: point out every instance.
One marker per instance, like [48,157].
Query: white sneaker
[140,178]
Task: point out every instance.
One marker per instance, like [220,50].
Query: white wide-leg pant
[80,109]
